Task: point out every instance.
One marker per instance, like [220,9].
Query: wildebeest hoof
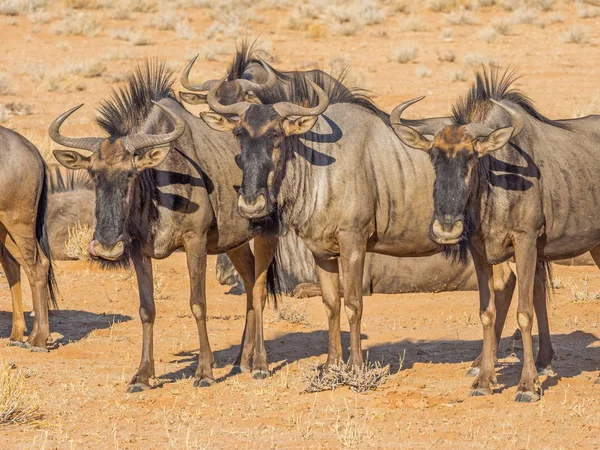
[260,374]
[237,369]
[137,387]
[546,371]
[39,350]
[204,382]
[527,397]
[26,344]
[473,372]
[12,343]
[480,392]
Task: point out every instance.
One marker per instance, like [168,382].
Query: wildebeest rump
[23,234]
[382,274]
[71,203]
[165,181]
[511,182]
[337,175]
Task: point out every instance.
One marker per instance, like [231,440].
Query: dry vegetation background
[57,54]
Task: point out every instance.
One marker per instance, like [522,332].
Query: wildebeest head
[229,91]
[261,130]
[113,166]
[454,151]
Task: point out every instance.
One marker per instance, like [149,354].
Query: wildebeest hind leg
[504,288]
[546,352]
[352,257]
[243,261]
[596,255]
[329,276]
[12,270]
[143,270]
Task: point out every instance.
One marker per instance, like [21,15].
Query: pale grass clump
[185,31]
[461,17]
[457,76]
[367,378]
[524,15]
[488,34]
[423,72]
[83,4]
[17,405]
[588,12]
[577,34]
[406,53]
[120,13]
[20,7]
[136,37]
[166,20]
[292,312]
[477,59]
[79,24]
[448,56]
[502,26]
[62,81]
[5,85]
[117,54]
[3,118]
[41,17]
[300,17]
[510,5]
[448,34]
[413,23]
[441,5]
[544,5]
[142,6]
[90,69]
[582,294]
[159,282]
[398,6]
[78,242]
[556,17]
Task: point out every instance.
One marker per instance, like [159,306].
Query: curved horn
[212,99]
[517,119]
[91,144]
[139,141]
[184,79]
[396,115]
[248,85]
[286,109]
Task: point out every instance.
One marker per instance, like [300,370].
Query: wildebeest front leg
[12,270]
[595,252]
[329,276]
[352,258]
[487,313]
[143,271]
[546,352]
[243,261]
[196,262]
[264,250]
[505,281]
[529,388]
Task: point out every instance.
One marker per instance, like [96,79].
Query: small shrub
[136,37]
[291,311]
[456,76]
[583,294]
[20,7]
[488,35]
[82,4]
[5,85]
[475,59]
[423,72]
[441,5]
[3,118]
[406,54]
[80,24]
[544,5]
[413,23]
[166,20]
[398,6]
[525,15]
[448,56]
[78,242]
[447,34]
[577,34]
[16,404]
[588,13]
[556,18]
[184,31]
[502,26]
[461,17]
[369,377]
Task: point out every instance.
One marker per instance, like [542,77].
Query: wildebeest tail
[549,281]
[273,288]
[41,232]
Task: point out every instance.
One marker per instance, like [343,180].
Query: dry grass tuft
[461,17]
[588,12]
[413,23]
[457,76]
[82,4]
[292,311]
[367,378]
[79,24]
[582,294]
[136,37]
[448,56]
[488,35]
[20,7]
[16,404]
[5,85]
[3,119]
[577,34]
[406,53]
[78,243]
[423,72]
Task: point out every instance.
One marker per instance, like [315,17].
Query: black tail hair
[41,233]
[273,285]
[549,272]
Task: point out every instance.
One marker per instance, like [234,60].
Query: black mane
[489,84]
[302,93]
[128,106]
[68,181]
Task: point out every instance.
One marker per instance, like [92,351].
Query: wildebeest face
[260,131]
[454,151]
[113,169]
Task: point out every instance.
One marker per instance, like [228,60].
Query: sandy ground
[81,384]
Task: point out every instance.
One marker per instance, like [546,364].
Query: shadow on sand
[574,354]
[71,325]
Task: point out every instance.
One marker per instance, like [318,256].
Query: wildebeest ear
[218,122]
[72,160]
[411,137]
[300,125]
[495,140]
[151,158]
[193,99]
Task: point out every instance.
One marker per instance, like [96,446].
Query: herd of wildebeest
[481,199]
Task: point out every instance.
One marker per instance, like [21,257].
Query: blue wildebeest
[165,181]
[23,235]
[511,182]
[337,175]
